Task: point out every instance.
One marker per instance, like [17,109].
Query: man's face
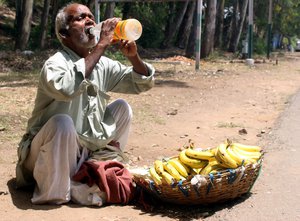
[79,18]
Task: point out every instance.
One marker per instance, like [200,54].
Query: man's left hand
[128,48]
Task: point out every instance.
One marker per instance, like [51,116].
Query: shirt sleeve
[124,79]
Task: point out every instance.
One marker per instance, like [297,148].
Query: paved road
[276,194]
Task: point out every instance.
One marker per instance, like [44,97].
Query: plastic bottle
[129,29]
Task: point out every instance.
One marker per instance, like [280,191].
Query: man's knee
[62,122]
[124,107]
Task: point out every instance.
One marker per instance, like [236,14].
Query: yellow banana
[179,167]
[206,169]
[236,157]
[199,154]
[158,165]
[247,154]
[186,167]
[168,178]
[171,170]
[246,159]
[213,162]
[194,163]
[248,148]
[223,157]
[156,178]
[212,165]
[213,150]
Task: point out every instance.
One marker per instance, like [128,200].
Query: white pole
[250,29]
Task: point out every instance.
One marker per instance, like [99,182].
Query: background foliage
[155,16]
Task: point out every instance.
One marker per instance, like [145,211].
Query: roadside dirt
[207,107]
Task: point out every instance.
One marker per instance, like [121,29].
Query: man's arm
[129,49]
[106,39]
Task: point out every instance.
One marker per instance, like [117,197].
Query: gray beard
[85,40]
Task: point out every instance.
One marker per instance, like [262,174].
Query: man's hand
[107,31]
[128,48]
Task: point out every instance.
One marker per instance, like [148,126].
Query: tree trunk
[126,10]
[24,24]
[44,23]
[174,23]
[219,24]
[90,4]
[234,25]
[243,12]
[240,14]
[109,10]
[55,8]
[18,20]
[185,27]
[190,49]
[210,26]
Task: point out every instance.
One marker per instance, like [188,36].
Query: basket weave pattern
[224,186]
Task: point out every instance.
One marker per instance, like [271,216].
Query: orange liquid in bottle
[130,29]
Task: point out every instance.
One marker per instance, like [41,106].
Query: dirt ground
[206,106]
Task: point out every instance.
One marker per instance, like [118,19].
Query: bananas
[191,162]
[171,170]
[156,178]
[168,178]
[233,155]
[247,148]
[159,167]
[224,158]
[180,167]
[240,160]
[201,155]
[247,154]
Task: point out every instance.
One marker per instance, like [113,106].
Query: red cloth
[111,177]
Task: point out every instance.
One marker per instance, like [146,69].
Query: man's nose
[89,21]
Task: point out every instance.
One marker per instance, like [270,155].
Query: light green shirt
[63,89]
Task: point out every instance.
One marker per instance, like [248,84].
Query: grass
[228,125]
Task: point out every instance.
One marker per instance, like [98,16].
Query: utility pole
[269,29]
[250,29]
[198,36]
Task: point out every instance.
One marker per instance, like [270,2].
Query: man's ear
[64,33]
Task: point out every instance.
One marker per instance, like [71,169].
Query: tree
[219,24]
[44,22]
[23,23]
[238,19]
[109,10]
[190,49]
[174,21]
[185,27]
[209,30]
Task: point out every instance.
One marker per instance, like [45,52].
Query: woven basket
[226,185]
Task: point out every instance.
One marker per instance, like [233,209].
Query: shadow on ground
[156,207]
[21,198]
[148,206]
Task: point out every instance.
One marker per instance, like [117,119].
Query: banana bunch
[169,171]
[191,161]
[233,155]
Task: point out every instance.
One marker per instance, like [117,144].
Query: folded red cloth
[111,177]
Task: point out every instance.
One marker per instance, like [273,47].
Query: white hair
[61,22]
